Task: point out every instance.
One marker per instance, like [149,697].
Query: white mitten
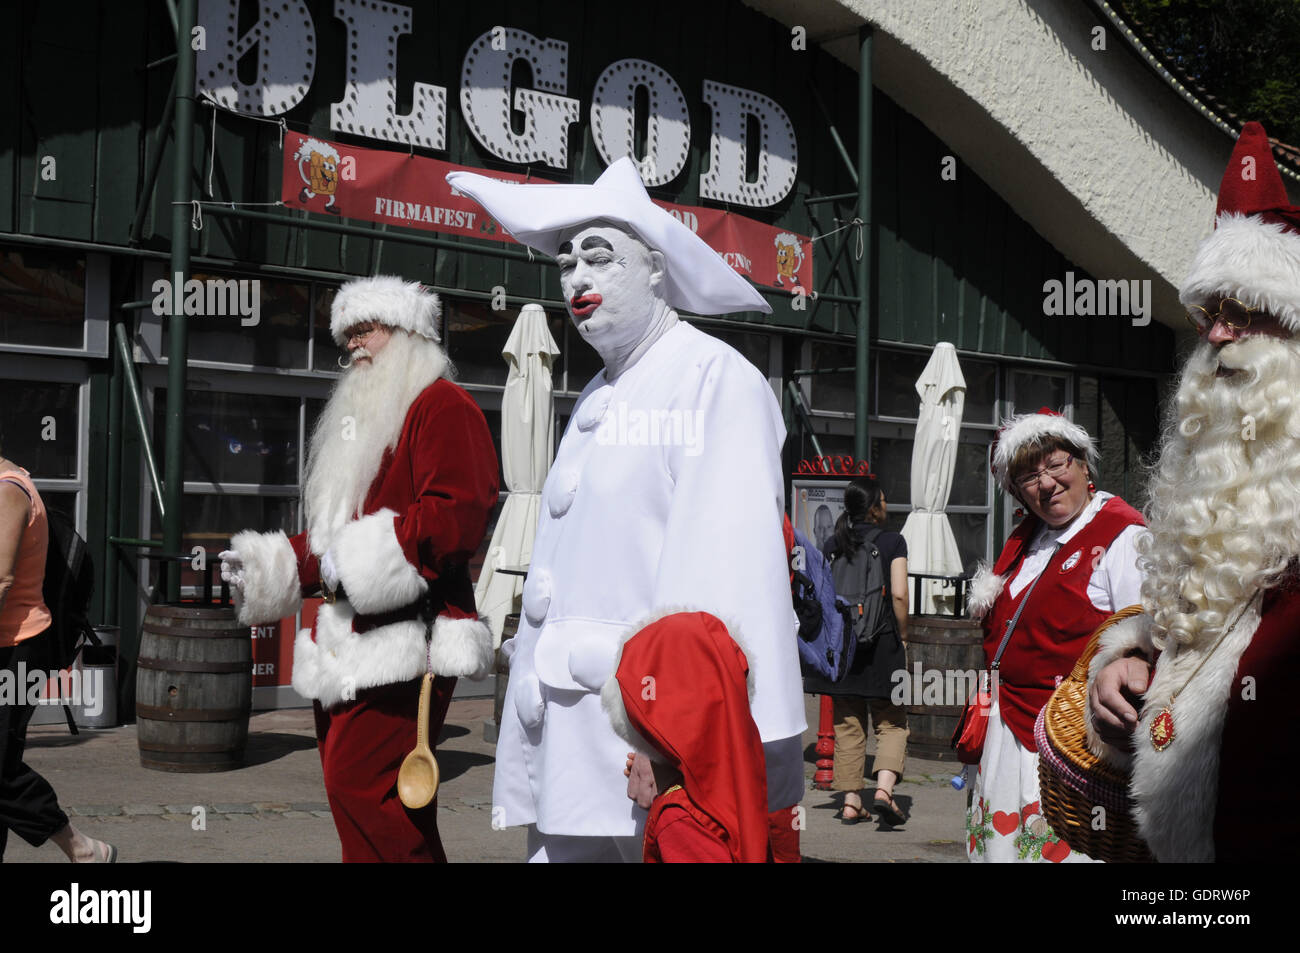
[232,568]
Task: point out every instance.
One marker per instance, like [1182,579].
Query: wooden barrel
[945,656]
[194,689]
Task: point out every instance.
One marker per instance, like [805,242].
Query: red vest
[1057,621]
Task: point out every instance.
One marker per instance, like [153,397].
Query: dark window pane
[832,391]
[753,346]
[61,502]
[981,391]
[970,529]
[896,383]
[475,336]
[279,339]
[42,299]
[210,519]
[236,438]
[325,353]
[1032,391]
[970,476]
[891,462]
[39,426]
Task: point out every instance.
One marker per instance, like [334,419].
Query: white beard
[362,420]
[1225,508]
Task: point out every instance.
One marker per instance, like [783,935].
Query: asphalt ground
[275,810]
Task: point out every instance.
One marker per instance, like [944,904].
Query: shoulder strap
[1011,625]
[17,484]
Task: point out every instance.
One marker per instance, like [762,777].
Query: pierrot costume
[402,560]
[666,494]
[680,695]
[1224,788]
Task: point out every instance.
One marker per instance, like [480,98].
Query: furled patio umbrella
[931,545]
[527,448]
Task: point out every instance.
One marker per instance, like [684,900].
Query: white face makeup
[612,285]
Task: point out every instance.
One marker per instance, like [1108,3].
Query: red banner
[373,185]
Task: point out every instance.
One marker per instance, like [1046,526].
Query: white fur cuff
[460,647]
[983,591]
[1116,642]
[372,568]
[271,589]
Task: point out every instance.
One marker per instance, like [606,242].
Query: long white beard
[362,419]
[1225,496]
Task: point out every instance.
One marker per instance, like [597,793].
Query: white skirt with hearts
[1004,822]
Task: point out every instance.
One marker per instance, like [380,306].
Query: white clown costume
[666,495]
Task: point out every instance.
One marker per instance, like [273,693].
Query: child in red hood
[680,696]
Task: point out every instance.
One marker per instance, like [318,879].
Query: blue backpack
[825,646]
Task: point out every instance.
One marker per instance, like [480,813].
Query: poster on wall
[815,505]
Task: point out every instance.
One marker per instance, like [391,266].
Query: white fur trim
[387,300]
[983,591]
[611,695]
[340,662]
[372,567]
[1116,642]
[271,588]
[1250,259]
[1023,429]
[461,647]
[1176,791]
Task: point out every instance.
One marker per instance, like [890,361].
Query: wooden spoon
[417,778]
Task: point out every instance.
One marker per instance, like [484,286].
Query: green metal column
[183,173]
[113,482]
[862,376]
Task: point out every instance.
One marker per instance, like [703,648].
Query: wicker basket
[1074,782]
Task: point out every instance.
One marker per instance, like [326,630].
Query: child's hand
[641,785]
[627,768]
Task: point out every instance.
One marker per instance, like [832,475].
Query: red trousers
[362,744]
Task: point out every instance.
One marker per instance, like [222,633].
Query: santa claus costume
[401,478]
[1214,759]
[1051,587]
[680,695]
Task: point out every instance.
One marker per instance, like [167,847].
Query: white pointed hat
[698,280]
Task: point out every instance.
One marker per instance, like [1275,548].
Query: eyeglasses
[361,335]
[1235,315]
[1053,470]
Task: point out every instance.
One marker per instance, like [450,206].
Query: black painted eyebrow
[595,241]
[565,249]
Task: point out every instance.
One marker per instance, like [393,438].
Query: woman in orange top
[28,805]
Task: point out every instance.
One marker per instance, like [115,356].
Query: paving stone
[99,810]
[136,810]
[233,809]
[321,814]
[185,809]
[271,807]
[310,806]
[239,816]
[297,815]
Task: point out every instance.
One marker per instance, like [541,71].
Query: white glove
[232,568]
[328,571]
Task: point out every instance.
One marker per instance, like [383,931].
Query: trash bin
[96,668]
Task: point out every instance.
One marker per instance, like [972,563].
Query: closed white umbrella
[931,545]
[527,448]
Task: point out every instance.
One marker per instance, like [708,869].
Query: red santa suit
[680,694]
[401,560]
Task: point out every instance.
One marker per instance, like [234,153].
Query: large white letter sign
[369,106]
[778,154]
[485,97]
[286,56]
[668,125]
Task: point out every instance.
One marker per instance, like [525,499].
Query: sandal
[888,810]
[860,813]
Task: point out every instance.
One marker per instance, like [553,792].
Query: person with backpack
[869,567]
[28,805]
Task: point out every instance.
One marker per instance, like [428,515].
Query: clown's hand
[232,568]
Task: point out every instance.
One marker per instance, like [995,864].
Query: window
[278,339]
[42,299]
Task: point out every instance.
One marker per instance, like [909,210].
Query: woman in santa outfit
[1069,565]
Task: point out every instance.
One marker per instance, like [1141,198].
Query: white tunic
[666,493]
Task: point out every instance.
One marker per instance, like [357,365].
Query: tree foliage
[1245,53]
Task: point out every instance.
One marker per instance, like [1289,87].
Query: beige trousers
[890,722]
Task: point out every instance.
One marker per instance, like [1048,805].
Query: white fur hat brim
[1025,429]
[386,300]
[1252,260]
[697,280]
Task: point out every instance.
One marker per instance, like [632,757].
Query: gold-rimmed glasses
[1235,315]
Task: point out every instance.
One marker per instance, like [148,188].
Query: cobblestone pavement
[275,809]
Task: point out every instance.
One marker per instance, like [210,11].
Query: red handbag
[973,726]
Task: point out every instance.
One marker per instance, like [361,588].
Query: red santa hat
[1254,252]
[386,300]
[680,693]
[1040,427]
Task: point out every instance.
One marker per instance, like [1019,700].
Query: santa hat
[386,300]
[1025,430]
[1254,252]
[681,686]
[697,279]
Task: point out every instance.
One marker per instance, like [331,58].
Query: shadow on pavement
[267,746]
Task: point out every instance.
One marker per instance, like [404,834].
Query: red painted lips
[583,305]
